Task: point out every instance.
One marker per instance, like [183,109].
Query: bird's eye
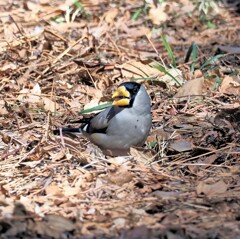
[135,90]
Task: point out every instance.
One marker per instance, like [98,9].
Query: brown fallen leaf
[199,165]
[181,145]
[8,67]
[157,14]
[70,190]
[59,223]
[212,189]
[167,79]
[35,99]
[53,190]
[54,226]
[191,88]
[165,195]
[142,155]
[228,118]
[230,85]
[136,69]
[120,176]
[141,232]
[111,14]
[158,134]
[229,49]
[48,105]
[55,156]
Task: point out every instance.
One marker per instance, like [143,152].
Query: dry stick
[205,164]
[129,54]
[90,75]
[13,139]
[55,34]
[155,50]
[40,95]
[114,43]
[48,117]
[23,35]
[196,206]
[187,104]
[67,50]
[214,151]
[235,105]
[8,153]
[27,154]
[35,65]
[44,138]
[137,68]
[60,56]
[99,160]
[62,139]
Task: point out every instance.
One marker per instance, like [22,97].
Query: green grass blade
[144,78]
[78,5]
[207,62]
[194,56]
[217,83]
[162,69]
[95,108]
[169,50]
[136,14]
[211,25]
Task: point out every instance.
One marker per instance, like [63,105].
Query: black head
[133,88]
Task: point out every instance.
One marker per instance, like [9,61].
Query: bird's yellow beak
[121,96]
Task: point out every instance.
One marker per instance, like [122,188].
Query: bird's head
[125,94]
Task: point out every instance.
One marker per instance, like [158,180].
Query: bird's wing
[100,122]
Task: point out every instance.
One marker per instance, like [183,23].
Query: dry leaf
[33,96]
[10,31]
[158,135]
[166,195]
[176,73]
[91,104]
[70,191]
[191,88]
[57,156]
[137,32]
[3,110]
[59,223]
[53,190]
[120,176]
[136,69]
[49,105]
[8,67]
[34,7]
[181,145]
[119,223]
[141,155]
[212,189]
[208,161]
[118,160]
[230,85]
[110,15]
[157,14]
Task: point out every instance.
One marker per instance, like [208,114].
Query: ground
[59,59]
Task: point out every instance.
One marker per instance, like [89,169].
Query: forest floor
[61,57]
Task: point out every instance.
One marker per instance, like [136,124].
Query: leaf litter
[60,58]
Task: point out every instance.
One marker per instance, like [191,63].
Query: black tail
[69,130]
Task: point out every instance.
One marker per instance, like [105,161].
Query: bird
[124,124]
